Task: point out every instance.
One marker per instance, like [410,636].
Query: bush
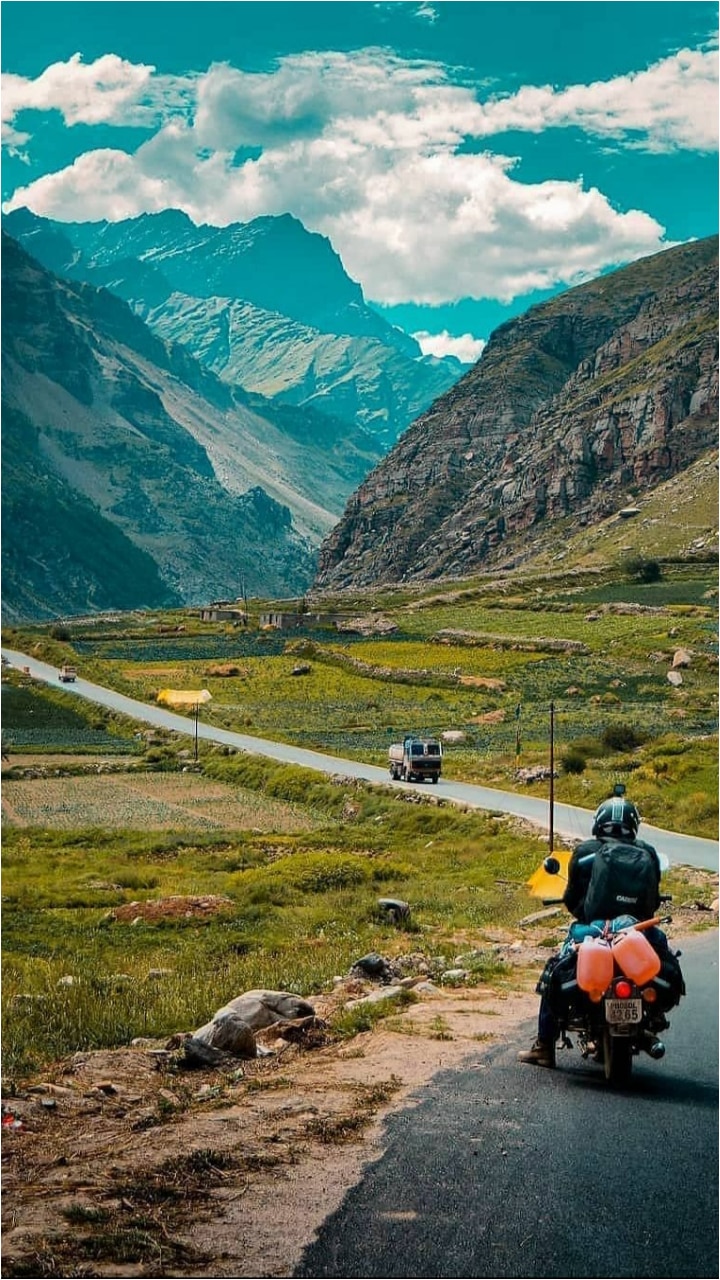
[621,737]
[642,570]
[573,761]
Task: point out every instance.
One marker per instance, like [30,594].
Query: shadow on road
[646,1086]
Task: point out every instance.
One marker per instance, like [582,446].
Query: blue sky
[465,159]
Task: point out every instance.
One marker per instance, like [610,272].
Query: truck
[67,674]
[415,760]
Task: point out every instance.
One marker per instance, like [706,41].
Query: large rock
[227,1033]
[259,1009]
[681,658]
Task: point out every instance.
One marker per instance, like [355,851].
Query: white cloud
[671,106]
[85,94]
[465,348]
[109,90]
[365,148]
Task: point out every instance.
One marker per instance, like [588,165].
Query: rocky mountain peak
[608,387]
[266,304]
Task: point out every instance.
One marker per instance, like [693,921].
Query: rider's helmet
[616,817]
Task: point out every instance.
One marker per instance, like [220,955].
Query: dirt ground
[119,1163]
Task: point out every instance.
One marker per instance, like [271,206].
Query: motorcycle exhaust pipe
[654,1047]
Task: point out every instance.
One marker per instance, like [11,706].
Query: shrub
[364,1016]
[642,570]
[573,761]
[621,737]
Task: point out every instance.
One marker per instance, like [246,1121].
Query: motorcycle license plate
[623,1011]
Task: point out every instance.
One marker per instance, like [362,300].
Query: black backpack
[623,882]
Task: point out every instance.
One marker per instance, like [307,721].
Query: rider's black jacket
[579,872]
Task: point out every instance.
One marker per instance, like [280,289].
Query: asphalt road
[569,821]
[507,1170]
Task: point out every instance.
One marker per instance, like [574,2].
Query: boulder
[260,1009]
[681,658]
[395,909]
[427,988]
[372,966]
[454,977]
[228,1033]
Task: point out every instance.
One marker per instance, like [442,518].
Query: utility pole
[197,712]
[552,775]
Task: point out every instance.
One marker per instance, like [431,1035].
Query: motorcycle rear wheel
[617,1059]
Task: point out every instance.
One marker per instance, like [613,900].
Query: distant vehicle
[67,674]
[415,760]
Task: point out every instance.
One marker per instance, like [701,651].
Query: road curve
[569,821]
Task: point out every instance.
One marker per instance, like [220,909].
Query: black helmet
[616,817]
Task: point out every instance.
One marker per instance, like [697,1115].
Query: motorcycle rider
[615,821]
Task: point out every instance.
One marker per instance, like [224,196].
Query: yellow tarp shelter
[183,697]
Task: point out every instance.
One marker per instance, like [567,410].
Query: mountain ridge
[242,277]
[608,388]
[212,487]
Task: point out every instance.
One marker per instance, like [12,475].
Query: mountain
[267,304]
[574,410]
[133,476]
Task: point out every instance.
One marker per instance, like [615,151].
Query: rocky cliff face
[133,476]
[573,408]
[265,304]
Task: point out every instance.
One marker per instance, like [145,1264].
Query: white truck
[67,674]
[415,760]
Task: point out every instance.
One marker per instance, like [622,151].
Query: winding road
[569,821]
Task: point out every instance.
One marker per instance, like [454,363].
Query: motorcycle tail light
[623,989]
[649,995]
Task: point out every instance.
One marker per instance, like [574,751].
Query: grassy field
[288,909]
[290,864]
[598,646]
[87,964]
[144,801]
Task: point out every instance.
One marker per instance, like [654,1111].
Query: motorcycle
[613,984]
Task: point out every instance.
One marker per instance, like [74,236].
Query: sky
[466,160]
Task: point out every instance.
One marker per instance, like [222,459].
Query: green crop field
[36,718]
[597,646]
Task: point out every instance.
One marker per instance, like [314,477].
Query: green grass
[413,681]
[303,908]
[37,718]
[303,901]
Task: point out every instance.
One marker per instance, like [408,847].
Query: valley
[143,889]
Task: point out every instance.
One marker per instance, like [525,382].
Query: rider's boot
[540,1054]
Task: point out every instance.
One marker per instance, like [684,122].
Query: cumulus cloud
[366,149]
[109,90]
[306,95]
[465,348]
[92,93]
[672,105]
